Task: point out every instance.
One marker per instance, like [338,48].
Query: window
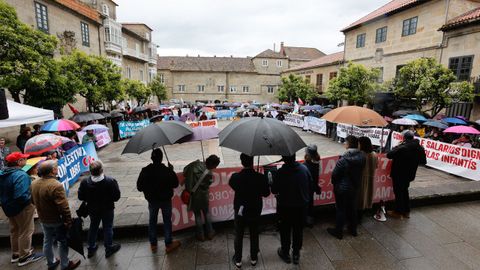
[201,88]
[245,89]
[333,75]
[308,78]
[270,89]
[105,10]
[41,14]
[265,63]
[181,88]
[85,34]
[141,75]
[381,35]
[410,26]
[361,40]
[380,75]
[129,73]
[279,63]
[162,77]
[397,71]
[319,82]
[461,67]
[221,88]
[233,89]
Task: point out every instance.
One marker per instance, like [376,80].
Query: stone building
[230,78]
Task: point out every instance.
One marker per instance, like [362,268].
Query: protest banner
[75,162]
[103,138]
[206,123]
[375,134]
[224,114]
[221,195]
[130,128]
[294,120]
[454,159]
[315,124]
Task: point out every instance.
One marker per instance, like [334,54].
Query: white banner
[447,157]
[315,124]
[294,120]
[375,134]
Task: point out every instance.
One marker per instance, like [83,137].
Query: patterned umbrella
[60,125]
[42,143]
[32,162]
[405,122]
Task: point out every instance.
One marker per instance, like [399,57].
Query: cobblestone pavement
[435,237]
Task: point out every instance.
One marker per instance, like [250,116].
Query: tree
[158,88]
[294,87]
[25,54]
[95,77]
[354,83]
[136,90]
[430,86]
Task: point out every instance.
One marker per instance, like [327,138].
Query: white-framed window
[233,89]
[181,88]
[201,88]
[265,62]
[270,89]
[162,77]
[141,75]
[105,10]
[279,63]
[221,88]
[129,72]
[245,89]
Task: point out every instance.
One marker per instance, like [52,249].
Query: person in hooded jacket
[346,177]
[157,182]
[100,192]
[405,160]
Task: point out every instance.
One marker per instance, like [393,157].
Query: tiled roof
[209,64]
[331,59]
[270,54]
[464,19]
[81,9]
[301,53]
[386,10]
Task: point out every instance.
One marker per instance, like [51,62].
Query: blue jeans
[107,224]
[52,232]
[153,208]
[199,222]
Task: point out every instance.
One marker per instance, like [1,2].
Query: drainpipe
[443,44]
[99,40]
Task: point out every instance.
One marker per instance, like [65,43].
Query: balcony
[113,47]
[152,58]
[132,53]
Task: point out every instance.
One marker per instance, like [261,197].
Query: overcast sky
[244,27]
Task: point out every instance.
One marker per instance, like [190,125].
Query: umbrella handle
[166,156]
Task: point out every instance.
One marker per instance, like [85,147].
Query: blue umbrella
[317,107]
[435,124]
[453,120]
[416,117]
[307,108]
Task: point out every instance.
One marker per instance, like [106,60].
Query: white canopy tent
[20,114]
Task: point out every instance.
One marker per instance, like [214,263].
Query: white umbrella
[405,122]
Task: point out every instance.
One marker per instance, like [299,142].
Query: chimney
[187,55]
[231,56]
[274,47]
[198,55]
[214,56]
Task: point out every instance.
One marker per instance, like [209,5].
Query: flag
[75,111]
[296,107]
[300,101]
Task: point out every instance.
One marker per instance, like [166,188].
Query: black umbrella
[163,133]
[156,118]
[85,117]
[74,236]
[402,113]
[258,136]
[140,109]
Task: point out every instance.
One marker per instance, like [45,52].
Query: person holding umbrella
[249,186]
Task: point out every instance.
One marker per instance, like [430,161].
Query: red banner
[221,195]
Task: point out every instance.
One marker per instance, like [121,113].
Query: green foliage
[354,83]
[294,87]
[25,54]
[158,89]
[429,84]
[136,90]
[95,77]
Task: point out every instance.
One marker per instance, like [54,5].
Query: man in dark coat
[292,184]
[249,186]
[100,192]
[405,160]
[346,177]
[157,182]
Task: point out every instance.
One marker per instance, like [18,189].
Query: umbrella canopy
[187,116]
[201,133]
[207,109]
[95,127]
[453,120]
[163,133]
[271,109]
[461,117]
[60,125]
[436,124]
[478,121]
[236,104]
[156,118]
[257,136]
[285,107]
[416,117]
[275,105]
[355,115]
[139,109]
[388,119]
[402,113]
[405,122]
[307,108]
[42,143]
[85,117]
[324,111]
[32,162]
[462,130]
[252,107]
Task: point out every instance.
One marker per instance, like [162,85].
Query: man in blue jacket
[15,196]
[346,177]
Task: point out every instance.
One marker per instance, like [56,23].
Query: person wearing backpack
[157,182]
[198,178]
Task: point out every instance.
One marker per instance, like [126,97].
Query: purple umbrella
[461,117]
[185,116]
[201,134]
